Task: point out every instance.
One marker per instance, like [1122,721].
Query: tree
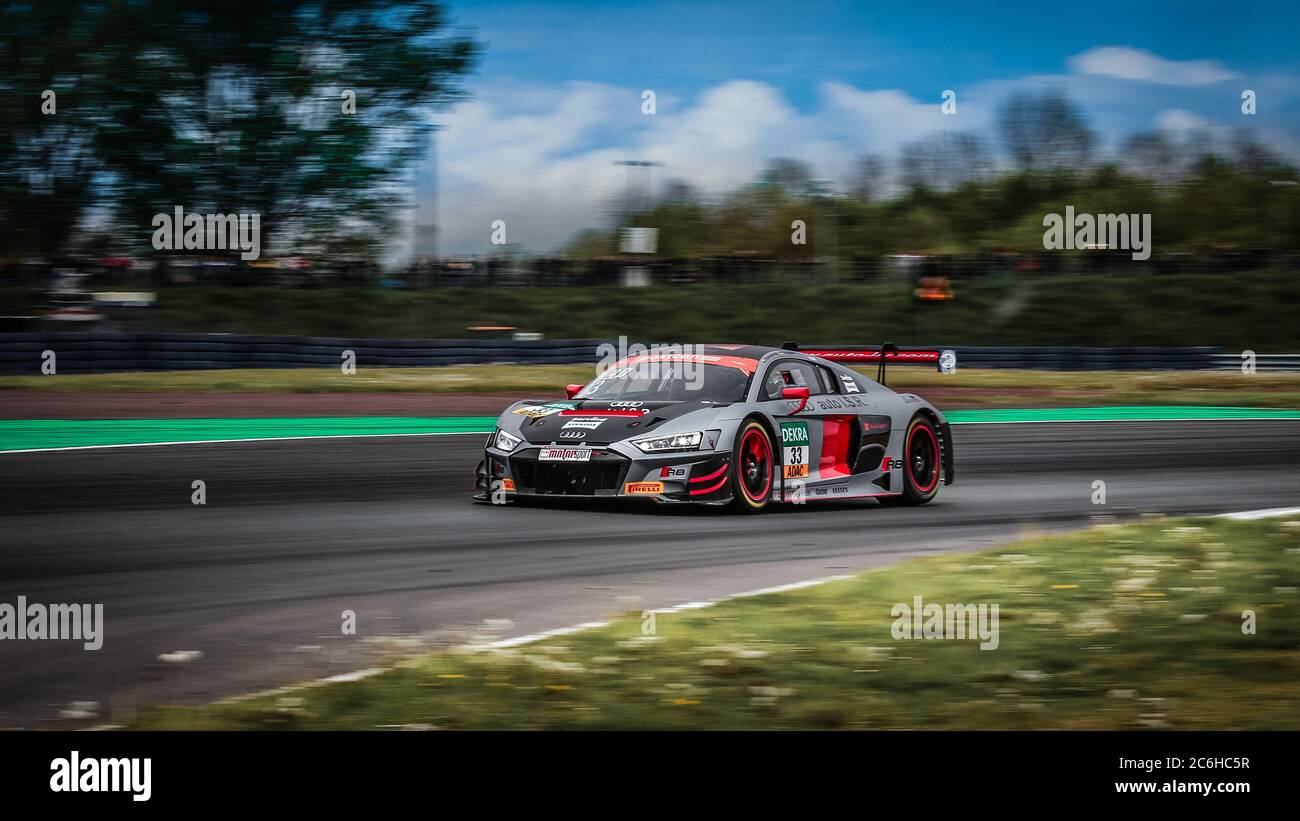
[1044,131]
[794,177]
[943,161]
[1252,157]
[679,192]
[310,114]
[49,93]
[867,181]
[1151,154]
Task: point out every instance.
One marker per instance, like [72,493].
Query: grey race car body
[831,433]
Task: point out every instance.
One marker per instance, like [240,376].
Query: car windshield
[676,381]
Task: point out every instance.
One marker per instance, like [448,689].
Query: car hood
[589,422]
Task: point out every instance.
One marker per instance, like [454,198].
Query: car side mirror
[573,390]
[801,394]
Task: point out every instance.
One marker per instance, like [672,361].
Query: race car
[736,425]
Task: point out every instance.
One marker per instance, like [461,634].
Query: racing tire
[752,467]
[922,460]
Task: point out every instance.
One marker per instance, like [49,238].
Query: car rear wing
[943,360]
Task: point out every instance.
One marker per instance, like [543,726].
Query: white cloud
[543,159]
[881,120]
[1137,64]
[1178,121]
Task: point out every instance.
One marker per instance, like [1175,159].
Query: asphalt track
[295,532]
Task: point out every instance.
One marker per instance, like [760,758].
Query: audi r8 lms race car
[737,425]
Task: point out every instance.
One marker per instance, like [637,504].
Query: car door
[836,411]
[801,434]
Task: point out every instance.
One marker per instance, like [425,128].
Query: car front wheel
[751,468]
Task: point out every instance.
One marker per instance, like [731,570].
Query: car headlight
[677,441]
[507,442]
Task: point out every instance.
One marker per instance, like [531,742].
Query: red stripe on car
[704,490]
[713,475]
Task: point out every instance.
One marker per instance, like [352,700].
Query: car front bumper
[696,476]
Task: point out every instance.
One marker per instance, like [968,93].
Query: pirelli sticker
[795,450]
[632,488]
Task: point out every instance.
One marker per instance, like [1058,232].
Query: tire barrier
[21,353]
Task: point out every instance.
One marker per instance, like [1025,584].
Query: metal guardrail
[107,353]
[1276,362]
[1087,359]
[93,352]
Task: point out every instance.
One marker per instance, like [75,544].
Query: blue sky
[916,47]
[557,95]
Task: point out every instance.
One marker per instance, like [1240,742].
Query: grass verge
[966,388]
[1116,627]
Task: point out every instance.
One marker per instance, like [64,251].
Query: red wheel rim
[755,465]
[923,458]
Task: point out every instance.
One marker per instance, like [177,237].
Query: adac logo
[794,433]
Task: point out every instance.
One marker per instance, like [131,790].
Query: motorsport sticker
[795,456]
[850,386]
[678,472]
[585,422]
[564,455]
[643,487]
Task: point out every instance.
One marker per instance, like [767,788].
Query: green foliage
[1216,206]
[1253,310]
[220,108]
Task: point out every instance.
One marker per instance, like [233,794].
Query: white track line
[545,634]
[676,608]
[1267,513]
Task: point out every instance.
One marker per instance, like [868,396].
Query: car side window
[829,383]
[791,374]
